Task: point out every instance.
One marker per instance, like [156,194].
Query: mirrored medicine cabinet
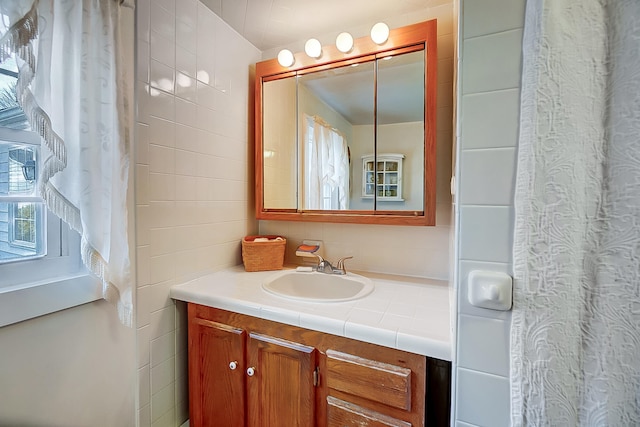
[350,137]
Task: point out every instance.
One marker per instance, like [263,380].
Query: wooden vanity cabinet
[216,379]
[240,378]
[246,371]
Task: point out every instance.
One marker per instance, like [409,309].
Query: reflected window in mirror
[325,175]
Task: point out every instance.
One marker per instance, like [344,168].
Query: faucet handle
[340,264]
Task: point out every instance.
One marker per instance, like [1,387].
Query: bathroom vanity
[257,359]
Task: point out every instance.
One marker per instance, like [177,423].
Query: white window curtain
[575,337]
[326,181]
[71,86]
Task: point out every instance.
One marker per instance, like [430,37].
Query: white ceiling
[268,24]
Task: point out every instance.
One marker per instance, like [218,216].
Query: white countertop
[407,313]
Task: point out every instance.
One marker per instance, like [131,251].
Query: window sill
[18,303]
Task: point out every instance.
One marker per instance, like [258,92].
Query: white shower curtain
[575,337]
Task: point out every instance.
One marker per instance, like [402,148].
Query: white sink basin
[318,287]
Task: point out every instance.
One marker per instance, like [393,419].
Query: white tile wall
[494,173]
[192,180]
[491,16]
[488,108]
[490,127]
[477,338]
[485,401]
[485,231]
[491,62]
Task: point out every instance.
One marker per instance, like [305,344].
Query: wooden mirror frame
[410,38]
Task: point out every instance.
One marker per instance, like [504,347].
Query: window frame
[26,139]
[50,282]
[13,218]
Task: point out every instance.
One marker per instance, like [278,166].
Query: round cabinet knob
[233,365]
[251,371]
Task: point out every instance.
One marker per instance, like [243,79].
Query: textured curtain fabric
[71,87]
[575,336]
[327,165]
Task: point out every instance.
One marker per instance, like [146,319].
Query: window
[25,226]
[41,269]
[22,216]
[34,243]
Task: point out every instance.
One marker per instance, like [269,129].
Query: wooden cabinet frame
[401,40]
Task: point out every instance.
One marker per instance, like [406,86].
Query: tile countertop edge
[235,290]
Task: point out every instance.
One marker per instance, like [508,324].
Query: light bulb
[380,33]
[285,58]
[313,48]
[344,42]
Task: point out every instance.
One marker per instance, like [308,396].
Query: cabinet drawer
[376,381]
[345,414]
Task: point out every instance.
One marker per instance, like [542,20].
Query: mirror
[335,109]
[280,144]
[350,137]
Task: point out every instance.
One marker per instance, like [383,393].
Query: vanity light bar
[344,43]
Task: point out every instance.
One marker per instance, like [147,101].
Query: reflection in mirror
[336,133]
[400,129]
[279,144]
[333,106]
[332,167]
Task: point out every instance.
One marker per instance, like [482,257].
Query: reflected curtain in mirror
[326,164]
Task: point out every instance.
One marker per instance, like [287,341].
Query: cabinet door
[216,374]
[280,389]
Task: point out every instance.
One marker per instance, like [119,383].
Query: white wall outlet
[490,289]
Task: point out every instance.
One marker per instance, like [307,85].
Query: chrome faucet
[324,266]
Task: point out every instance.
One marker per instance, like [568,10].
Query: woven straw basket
[263,256]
